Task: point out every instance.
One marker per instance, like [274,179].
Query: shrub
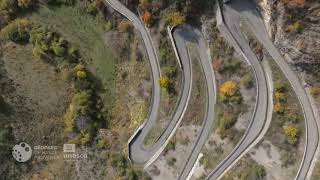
[297,26]
[82,103]
[8,5]
[315,91]
[51,43]
[5,138]
[81,74]
[124,26]
[292,115]
[143,4]
[217,64]
[41,37]
[37,51]
[292,134]
[92,8]
[102,143]
[171,72]
[58,46]
[120,162]
[164,82]
[227,118]
[175,19]
[84,137]
[279,108]
[171,161]
[69,119]
[247,80]
[108,26]
[259,171]
[17,31]
[287,158]
[279,86]
[79,67]
[171,146]
[280,97]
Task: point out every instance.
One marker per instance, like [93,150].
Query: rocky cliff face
[296,32]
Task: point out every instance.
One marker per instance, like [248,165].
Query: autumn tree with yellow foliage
[292,134]
[229,92]
[164,82]
[229,88]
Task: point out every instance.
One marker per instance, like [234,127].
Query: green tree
[81,74]
[41,37]
[176,19]
[82,102]
[58,46]
[279,86]
[92,8]
[8,7]
[17,31]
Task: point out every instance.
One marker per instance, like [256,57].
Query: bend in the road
[191,34]
[248,12]
[230,29]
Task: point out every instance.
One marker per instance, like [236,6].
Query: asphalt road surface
[233,12]
[138,153]
[248,12]
[231,31]
[192,35]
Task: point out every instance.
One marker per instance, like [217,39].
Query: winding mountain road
[229,27]
[245,9]
[233,12]
[138,153]
[192,35]
[248,12]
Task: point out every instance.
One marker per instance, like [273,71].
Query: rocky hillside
[294,26]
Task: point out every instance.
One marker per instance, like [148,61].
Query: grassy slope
[86,33]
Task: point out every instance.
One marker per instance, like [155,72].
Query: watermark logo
[22,152]
[70,153]
[69,148]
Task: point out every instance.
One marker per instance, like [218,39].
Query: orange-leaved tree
[147,18]
[279,108]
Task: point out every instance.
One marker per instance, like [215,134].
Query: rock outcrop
[300,46]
